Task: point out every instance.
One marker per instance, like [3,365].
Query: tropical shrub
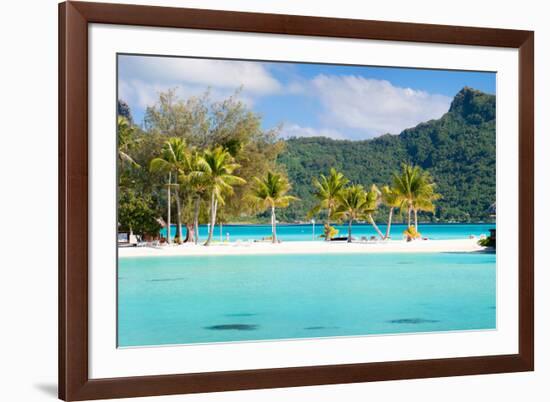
[411,233]
[487,242]
[329,232]
[136,214]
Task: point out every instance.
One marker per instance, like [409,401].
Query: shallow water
[439,231]
[178,300]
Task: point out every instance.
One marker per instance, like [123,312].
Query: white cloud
[372,106]
[295,130]
[143,78]
[227,74]
[142,94]
[341,106]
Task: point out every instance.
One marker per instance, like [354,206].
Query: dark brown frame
[74,383]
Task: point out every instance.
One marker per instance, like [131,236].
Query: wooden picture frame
[74,381]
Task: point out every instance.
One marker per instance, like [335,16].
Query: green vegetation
[414,191]
[217,167]
[392,200]
[458,150]
[172,161]
[126,133]
[215,162]
[271,192]
[487,242]
[327,191]
[329,232]
[354,203]
[411,233]
[137,214]
[202,154]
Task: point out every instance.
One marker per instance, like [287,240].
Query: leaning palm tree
[353,205]
[372,198]
[416,189]
[270,192]
[327,190]
[125,133]
[172,160]
[216,168]
[392,200]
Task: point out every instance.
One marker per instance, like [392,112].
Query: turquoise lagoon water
[303,232]
[182,300]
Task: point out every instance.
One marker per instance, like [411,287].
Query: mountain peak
[473,105]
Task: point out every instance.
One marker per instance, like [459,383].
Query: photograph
[263,201]
[271,201]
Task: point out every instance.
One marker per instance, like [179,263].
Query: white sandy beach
[305,247]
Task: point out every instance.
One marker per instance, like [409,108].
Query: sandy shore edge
[305,247]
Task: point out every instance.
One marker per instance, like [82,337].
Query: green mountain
[458,150]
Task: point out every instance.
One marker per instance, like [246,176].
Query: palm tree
[392,200]
[172,160]
[353,205]
[372,198]
[425,203]
[270,192]
[216,168]
[416,190]
[198,185]
[327,190]
[125,138]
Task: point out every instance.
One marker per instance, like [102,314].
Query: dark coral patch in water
[166,279]
[240,315]
[320,327]
[412,321]
[404,262]
[235,327]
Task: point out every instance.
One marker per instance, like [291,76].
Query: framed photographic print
[259,200]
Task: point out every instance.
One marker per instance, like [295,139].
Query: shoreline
[320,223]
[305,247]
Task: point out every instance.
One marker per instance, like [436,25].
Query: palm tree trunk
[349,231]
[196,219]
[213,205]
[273,226]
[390,215]
[178,212]
[329,211]
[190,235]
[168,227]
[415,220]
[409,218]
[375,226]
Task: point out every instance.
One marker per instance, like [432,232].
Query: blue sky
[347,102]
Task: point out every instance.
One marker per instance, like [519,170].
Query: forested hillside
[458,150]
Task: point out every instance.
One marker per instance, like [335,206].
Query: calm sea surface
[309,232]
[179,300]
